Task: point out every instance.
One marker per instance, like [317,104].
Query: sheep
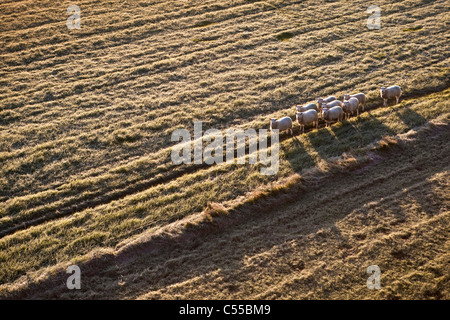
[307,107]
[320,101]
[350,106]
[391,92]
[309,116]
[360,96]
[282,124]
[333,114]
[332,104]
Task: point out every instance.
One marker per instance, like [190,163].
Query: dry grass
[86,115]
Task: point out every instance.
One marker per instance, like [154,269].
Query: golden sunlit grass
[86,115]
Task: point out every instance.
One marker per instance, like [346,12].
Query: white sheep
[360,96]
[333,114]
[320,101]
[307,107]
[389,93]
[282,124]
[334,103]
[307,117]
[350,106]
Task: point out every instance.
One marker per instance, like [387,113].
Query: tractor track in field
[153,182]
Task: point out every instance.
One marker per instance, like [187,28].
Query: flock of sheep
[331,109]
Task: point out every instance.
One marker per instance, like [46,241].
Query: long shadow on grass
[346,136]
[298,157]
[410,117]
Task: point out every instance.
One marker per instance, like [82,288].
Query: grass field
[86,176]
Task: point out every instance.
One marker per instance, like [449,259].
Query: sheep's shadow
[299,158]
[410,117]
[348,135]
